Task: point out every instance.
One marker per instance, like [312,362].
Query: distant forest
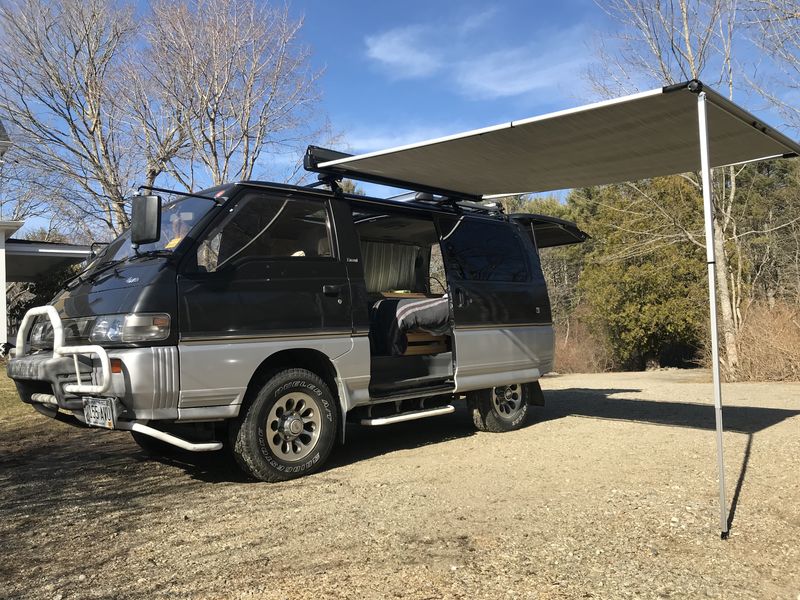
[635,295]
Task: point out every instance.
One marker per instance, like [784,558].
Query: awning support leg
[705,168]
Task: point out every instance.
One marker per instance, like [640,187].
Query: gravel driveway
[610,493]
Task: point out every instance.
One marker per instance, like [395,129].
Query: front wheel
[289,428]
[499,409]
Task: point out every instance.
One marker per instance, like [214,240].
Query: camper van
[263,317]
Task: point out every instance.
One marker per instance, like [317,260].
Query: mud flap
[535,395]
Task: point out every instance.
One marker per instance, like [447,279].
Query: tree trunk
[726,306]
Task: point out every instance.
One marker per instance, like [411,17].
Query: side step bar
[168,437]
[410,416]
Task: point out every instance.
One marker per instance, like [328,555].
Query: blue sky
[399,72]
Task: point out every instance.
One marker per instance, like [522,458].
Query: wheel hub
[508,402]
[293,426]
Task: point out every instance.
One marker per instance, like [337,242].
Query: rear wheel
[499,409]
[289,428]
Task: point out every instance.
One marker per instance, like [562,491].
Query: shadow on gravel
[596,404]
[740,481]
[208,467]
[363,443]
[41,476]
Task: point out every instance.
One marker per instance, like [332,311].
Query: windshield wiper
[151,254]
[78,279]
[103,268]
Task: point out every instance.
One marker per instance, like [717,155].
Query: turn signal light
[116,365]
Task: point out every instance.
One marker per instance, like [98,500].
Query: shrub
[769,343]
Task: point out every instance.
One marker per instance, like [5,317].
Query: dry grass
[10,405]
[579,350]
[769,344]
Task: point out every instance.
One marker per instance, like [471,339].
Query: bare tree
[159,125]
[57,63]
[775,27]
[235,72]
[17,200]
[76,94]
[666,42]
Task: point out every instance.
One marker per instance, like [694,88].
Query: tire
[499,409]
[289,428]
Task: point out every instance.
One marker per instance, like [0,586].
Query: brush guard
[59,349]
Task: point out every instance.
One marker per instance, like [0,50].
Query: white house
[24,260]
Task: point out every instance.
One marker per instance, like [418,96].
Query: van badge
[354,260]
[132,280]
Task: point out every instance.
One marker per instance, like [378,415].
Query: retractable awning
[635,137]
[674,129]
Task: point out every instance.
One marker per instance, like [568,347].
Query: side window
[396,251]
[483,251]
[265,226]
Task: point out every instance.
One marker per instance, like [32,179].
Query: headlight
[42,333]
[130,328]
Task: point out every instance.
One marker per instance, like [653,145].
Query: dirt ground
[611,492]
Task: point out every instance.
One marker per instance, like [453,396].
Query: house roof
[26,260]
[5,142]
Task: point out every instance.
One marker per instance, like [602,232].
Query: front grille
[90,378]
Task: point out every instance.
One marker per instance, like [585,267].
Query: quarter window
[263,226]
[483,251]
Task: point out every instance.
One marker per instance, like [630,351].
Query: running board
[410,416]
[422,392]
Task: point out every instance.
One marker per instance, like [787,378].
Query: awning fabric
[635,137]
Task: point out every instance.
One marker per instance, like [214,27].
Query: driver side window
[264,226]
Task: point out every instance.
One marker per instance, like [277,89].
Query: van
[264,317]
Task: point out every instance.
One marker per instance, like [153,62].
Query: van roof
[548,231]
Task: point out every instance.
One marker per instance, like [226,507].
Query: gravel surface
[611,492]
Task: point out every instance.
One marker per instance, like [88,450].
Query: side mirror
[145,219]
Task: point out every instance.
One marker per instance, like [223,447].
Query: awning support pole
[705,168]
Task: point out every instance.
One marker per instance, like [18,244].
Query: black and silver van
[263,317]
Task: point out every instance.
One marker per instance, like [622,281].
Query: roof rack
[316,155]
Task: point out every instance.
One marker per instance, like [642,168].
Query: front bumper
[147,387]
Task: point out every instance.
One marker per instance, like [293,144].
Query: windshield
[178,217]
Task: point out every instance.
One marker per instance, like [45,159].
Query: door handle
[462,298]
[331,290]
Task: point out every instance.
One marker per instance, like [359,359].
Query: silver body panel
[206,380]
[492,356]
[215,373]
[149,384]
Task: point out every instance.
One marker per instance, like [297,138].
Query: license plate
[99,412]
